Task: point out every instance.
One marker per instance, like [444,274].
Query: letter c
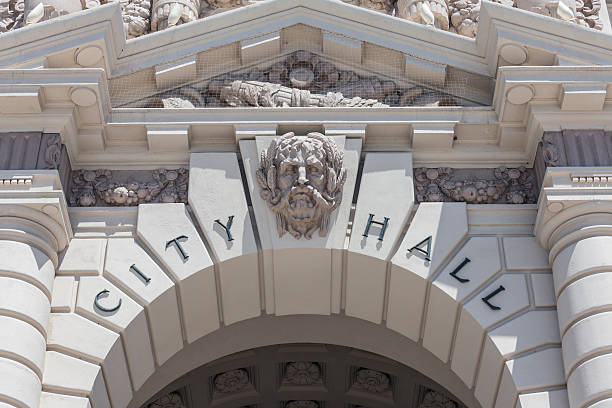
[102,308]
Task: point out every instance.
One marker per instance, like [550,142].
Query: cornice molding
[575,203]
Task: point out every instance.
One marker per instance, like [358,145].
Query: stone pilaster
[34,227]
[575,224]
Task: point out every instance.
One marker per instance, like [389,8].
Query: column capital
[574,203]
[33,210]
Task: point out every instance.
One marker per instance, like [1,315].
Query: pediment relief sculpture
[302,79]
[301,180]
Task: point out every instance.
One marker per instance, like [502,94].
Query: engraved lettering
[426,253]
[383,227]
[227,227]
[176,242]
[490,295]
[458,268]
[134,268]
[102,308]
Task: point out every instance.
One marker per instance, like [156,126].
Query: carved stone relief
[11,12]
[231,382]
[420,11]
[372,381]
[482,186]
[169,13]
[302,373]
[433,399]
[136,17]
[301,179]
[107,188]
[172,400]
[301,79]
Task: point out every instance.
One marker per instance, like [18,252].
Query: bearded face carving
[301,179]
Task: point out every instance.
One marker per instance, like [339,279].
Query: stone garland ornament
[372,381]
[136,17]
[231,382]
[301,179]
[53,151]
[171,400]
[302,373]
[433,399]
[95,187]
[513,186]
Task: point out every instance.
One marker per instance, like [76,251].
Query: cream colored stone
[51,400]
[260,47]
[90,341]
[590,379]
[541,369]
[61,300]
[83,96]
[583,297]
[88,56]
[21,339]
[520,94]
[25,302]
[491,364]
[440,323]
[158,296]
[588,337]
[216,193]
[446,223]
[528,331]
[467,348]
[543,289]
[365,287]
[585,256]
[157,225]
[524,253]
[513,53]
[484,263]
[406,302]
[83,257]
[19,383]
[26,262]
[129,320]
[607,403]
[72,375]
[546,399]
[512,300]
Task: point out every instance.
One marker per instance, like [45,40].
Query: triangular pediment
[301,78]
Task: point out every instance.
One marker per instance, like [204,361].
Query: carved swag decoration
[301,180]
[513,186]
[303,79]
[97,187]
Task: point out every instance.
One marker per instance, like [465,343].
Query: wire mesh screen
[314,69]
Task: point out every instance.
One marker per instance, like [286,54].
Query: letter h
[383,227]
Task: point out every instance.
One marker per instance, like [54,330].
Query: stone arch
[176,321]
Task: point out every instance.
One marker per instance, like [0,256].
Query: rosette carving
[433,399]
[372,381]
[232,381]
[302,373]
[172,400]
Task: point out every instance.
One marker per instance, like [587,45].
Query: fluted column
[575,224]
[33,229]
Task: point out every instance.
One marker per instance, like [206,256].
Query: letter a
[418,246]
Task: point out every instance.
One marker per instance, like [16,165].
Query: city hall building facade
[305,204]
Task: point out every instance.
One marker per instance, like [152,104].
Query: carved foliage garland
[513,186]
[97,187]
[301,179]
[433,399]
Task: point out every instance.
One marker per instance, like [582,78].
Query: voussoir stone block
[63,291]
[543,289]
[75,376]
[407,293]
[539,370]
[524,253]
[129,320]
[51,400]
[544,399]
[157,295]
[467,348]
[83,257]
[91,341]
[216,196]
[192,270]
